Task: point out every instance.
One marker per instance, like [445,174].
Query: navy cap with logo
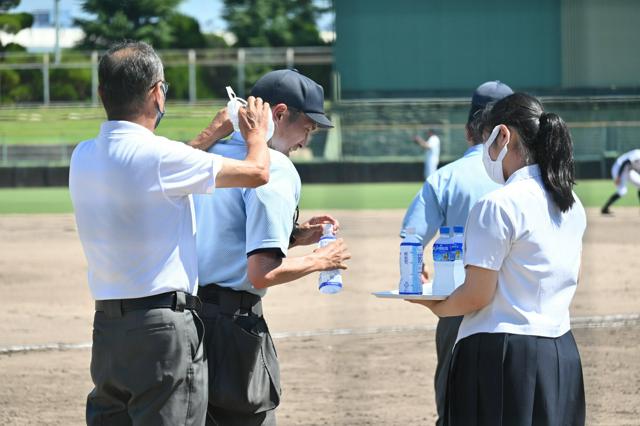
[490,91]
[296,91]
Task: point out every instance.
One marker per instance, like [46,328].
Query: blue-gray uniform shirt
[234,222]
[447,196]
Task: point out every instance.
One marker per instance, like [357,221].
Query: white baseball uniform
[627,168]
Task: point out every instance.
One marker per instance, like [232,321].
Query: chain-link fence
[368,130]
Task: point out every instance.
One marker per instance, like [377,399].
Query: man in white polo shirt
[243,240]
[131,195]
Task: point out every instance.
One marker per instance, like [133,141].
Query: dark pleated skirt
[514,380]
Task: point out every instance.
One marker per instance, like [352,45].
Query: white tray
[426,294]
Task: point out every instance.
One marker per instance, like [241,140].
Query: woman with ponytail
[515,361]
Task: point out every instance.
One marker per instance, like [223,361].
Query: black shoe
[606,212]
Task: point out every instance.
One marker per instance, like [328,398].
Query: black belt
[176,300]
[217,299]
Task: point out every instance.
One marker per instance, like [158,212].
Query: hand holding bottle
[334,253]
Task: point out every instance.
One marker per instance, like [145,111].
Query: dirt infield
[376,369]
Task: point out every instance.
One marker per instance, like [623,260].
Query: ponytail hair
[553,151]
[545,140]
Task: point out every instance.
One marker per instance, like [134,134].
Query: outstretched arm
[420,141]
[477,292]
[268,268]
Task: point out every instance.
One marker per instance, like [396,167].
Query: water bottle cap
[410,231]
[327,229]
[444,230]
[458,229]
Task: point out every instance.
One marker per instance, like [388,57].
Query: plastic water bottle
[443,282]
[410,264]
[457,254]
[234,104]
[330,282]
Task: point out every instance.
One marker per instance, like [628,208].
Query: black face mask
[160,114]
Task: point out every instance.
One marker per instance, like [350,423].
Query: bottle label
[332,277]
[441,252]
[410,268]
[456,251]
[326,240]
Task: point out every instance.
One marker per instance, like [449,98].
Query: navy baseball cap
[490,91]
[293,89]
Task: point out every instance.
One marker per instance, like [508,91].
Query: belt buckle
[248,302]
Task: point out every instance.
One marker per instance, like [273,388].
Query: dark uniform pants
[244,374]
[148,367]
[446,334]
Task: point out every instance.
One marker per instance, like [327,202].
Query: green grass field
[593,193]
[70,125]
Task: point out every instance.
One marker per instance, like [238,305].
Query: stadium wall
[312,172]
[410,48]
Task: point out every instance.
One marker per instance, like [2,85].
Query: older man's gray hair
[126,73]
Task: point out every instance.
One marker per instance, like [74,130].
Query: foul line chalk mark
[43,348]
[605,321]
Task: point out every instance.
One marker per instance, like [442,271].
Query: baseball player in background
[626,168]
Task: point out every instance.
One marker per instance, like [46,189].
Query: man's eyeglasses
[164,86]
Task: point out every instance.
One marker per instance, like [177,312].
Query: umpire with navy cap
[446,200]
[244,237]
[296,91]
[488,92]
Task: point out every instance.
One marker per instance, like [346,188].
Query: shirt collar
[116,126]
[236,139]
[531,171]
[473,150]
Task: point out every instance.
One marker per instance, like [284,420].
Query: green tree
[276,23]
[188,29]
[12,23]
[14,85]
[215,41]
[153,21]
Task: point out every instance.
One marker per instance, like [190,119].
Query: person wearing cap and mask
[131,193]
[243,242]
[445,200]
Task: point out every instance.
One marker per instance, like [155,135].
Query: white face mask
[234,104]
[494,168]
